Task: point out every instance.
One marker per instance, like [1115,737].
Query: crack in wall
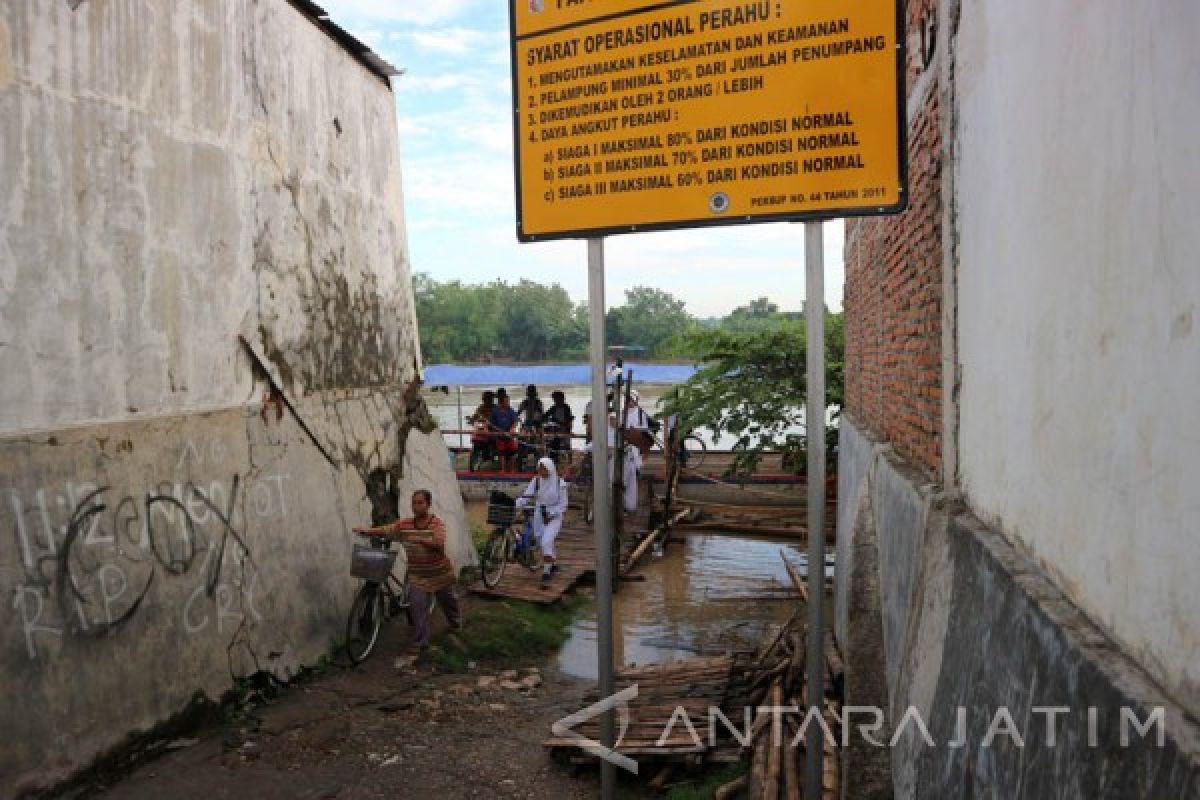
[287,402]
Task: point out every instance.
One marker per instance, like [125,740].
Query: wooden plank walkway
[576,560]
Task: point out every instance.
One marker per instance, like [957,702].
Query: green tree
[758,315]
[537,321]
[527,321]
[650,318]
[753,386]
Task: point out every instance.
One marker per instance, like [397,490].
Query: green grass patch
[706,783]
[479,537]
[506,634]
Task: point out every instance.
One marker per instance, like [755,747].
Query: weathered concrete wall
[1079,348]
[969,622]
[174,174]
[193,196]
[858,619]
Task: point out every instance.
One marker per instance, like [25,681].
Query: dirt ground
[387,728]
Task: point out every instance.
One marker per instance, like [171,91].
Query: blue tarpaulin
[546,374]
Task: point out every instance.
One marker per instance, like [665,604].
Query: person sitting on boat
[482,418]
[503,422]
[547,493]
[562,419]
[531,410]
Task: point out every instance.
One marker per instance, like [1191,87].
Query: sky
[453,104]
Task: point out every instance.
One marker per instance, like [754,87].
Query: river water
[707,594]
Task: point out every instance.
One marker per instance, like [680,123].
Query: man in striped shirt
[429,570]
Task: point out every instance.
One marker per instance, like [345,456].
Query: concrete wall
[1078,327]
[194,196]
[968,622]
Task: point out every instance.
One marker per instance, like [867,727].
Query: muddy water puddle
[706,594]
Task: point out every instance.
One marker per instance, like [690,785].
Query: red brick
[893,294]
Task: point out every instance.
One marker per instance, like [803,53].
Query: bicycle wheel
[696,450]
[366,618]
[531,556]
[494,559]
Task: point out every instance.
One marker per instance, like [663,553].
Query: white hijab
[549,489]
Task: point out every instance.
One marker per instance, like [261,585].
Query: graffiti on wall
[88,557]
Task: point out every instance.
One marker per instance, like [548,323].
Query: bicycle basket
[371,563]
[501,509]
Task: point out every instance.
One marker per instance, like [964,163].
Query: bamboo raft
[694,685]
[732,682]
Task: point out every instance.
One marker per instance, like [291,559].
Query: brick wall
[893,293]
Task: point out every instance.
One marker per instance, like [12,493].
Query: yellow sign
[635,115]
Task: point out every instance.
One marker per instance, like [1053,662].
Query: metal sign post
[461,419]
[814,426]
[602,503]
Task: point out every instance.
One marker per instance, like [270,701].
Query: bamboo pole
[797,581]
[774,749]
[730,789]
[790,532]
[644,545]
[760,492]
[791,775]
[758,767]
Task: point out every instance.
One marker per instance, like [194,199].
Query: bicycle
[381,596]
[508,541]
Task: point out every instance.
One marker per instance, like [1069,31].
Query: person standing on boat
[637,427]
[615,370]
[504,422]
[547,493]
[587,415]
[629,469]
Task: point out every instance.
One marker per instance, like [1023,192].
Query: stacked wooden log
[775,746]
[656,734]
[766,518]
